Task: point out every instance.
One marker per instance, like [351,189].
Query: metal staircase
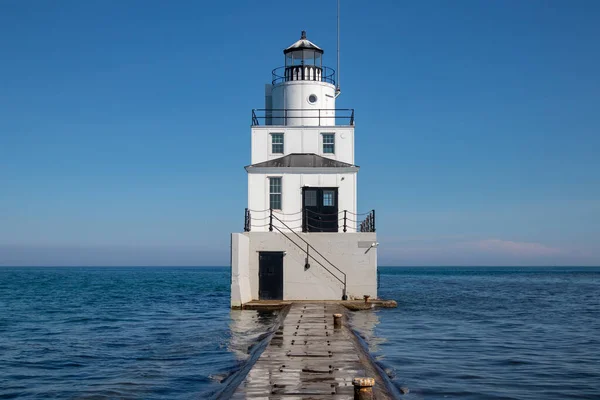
[309,251]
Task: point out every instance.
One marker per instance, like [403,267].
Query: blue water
[489,333]
[149,333]
[110,333]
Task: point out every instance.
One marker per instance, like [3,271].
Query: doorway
[319,209]
[270,275]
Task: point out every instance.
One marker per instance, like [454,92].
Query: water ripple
[105,333]
[476,333]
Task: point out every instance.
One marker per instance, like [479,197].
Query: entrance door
[270,275]
[320,206]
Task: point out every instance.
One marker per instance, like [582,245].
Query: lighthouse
[304,237]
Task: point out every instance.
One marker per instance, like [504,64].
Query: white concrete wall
[302,140]
[240,272]
[350,252]
[293,95]
[291,199]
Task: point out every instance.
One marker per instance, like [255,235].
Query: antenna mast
[337,89]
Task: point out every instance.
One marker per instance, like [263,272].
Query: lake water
[468,333]
[489,333]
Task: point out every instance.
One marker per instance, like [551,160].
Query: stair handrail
[344,297]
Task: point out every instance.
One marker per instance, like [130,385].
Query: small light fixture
[373,245]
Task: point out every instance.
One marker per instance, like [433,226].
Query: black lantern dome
[303,52]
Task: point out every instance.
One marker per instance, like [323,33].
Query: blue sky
[124,126]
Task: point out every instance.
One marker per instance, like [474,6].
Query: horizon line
[229,266]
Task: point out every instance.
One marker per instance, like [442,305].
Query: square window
[275,201]
[328,198]
[328,143]
[275,193]
[310,198]
[277,143]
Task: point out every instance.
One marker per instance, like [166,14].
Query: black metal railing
[247,221]
[320,116]
[309,247]
[368,225]
[311,221]
[303,73]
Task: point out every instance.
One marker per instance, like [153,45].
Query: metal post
[270,220]
[345,221]
[337,321]
[305,220]
[307,263]
[319,117]
[338,48]
[373,220]
[363,388]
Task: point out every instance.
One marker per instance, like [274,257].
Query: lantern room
[303,61]
[303,90]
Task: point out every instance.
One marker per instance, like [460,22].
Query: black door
[320,207]
[270,275]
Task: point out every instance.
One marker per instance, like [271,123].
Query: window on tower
[277,143]
[275,193]
[328,143]
[328,198]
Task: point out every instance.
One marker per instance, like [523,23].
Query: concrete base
[355,254]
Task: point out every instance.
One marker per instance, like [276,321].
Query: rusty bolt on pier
[366,297]
[337,320]
[363,388]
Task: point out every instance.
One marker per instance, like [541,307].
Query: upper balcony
[308,117]
[309,219]
[303,73]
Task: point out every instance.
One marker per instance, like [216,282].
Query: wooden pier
[310,358]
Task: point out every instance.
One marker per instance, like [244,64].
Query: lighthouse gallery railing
[303,73]
[320,116]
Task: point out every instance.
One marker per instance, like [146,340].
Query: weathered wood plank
[307,358]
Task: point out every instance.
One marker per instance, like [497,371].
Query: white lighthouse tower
[303,238]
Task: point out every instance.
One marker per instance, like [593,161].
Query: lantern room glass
[303,57]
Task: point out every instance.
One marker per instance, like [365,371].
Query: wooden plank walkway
[308,358]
